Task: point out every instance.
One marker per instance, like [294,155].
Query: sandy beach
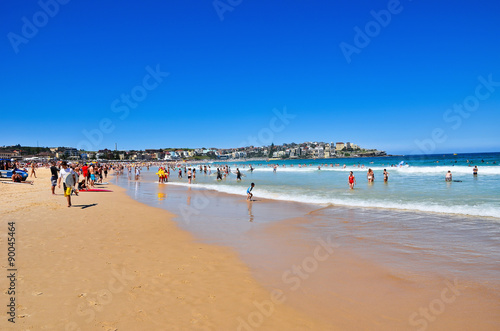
[111,263]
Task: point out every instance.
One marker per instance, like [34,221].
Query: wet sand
[370,279]
[112,263]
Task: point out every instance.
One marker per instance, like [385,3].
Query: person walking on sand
[53,178]
[352,181]
[249,192]
[65,172]
[33,167]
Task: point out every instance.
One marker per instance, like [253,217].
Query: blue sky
[63,84]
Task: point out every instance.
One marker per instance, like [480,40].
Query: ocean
[419,185]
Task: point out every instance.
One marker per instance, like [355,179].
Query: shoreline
[332,205]
[343,289]
[114,263]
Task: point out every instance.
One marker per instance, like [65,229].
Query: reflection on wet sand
[249,205]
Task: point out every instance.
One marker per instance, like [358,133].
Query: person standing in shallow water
[386,176]
[474,171]
[370,176]
[352,181]
[249,192]
[448,177]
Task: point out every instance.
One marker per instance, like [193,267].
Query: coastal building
[45,155]
[240,155]
[339,146]
[319,152]
[10,155]
[158,155]
[172,155]
[327,151]
[67,152]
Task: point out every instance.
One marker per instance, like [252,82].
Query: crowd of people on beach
[91,174]
[87,175]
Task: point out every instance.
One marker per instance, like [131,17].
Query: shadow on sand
[85,206]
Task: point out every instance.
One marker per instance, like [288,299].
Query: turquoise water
[419,185]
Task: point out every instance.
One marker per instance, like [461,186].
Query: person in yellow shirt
[160,174]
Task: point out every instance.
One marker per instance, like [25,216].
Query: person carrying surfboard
[68,177]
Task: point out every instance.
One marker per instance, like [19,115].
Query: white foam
[484,210]
[427,170]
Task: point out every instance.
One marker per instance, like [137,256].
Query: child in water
[249,192]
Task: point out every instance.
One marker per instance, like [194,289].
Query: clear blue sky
[226,76]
